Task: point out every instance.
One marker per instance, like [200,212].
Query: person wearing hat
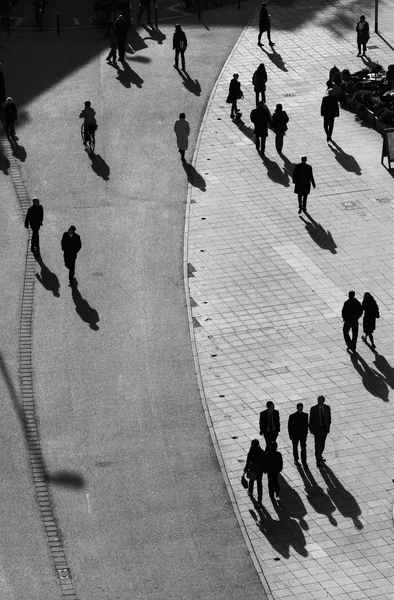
[329,110]
[35,218]
[179,44]
[71,245]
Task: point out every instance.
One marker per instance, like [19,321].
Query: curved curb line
[200,384]
[29,417]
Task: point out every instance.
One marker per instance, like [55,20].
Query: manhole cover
[348,204]
[383,200]
[290,95]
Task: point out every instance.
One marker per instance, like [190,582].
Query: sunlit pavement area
[267,288]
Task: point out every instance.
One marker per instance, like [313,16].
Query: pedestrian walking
[10,116]
[264,25]
[319,426]
[362,29]
[2,86]
[121,28]
[144,6]
[111,34]
[259,81]
[71,245]
[303,178]
[269,423]
[261,119]
[298,432]
[35,218]
[273,465]
[182,132]
[234,94]
[279,125]
[351,312]
[179,44]
[329,110]
[371,313]
[254,469]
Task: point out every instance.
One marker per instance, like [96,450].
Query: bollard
[57,24]
[376,16]
[156,16]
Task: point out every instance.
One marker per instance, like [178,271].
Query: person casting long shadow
[194,177]
[373,381]
[275,173]
[319,235]
[99,166]
[127,76]
[385,368]
[47,279]
[84,310]
[191,85]
[347,161]
[342,498]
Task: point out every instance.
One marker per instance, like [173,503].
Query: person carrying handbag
[234,94]
[255,468]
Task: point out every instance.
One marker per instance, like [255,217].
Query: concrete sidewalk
[267,289]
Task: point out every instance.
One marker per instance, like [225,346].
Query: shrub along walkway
[267,289]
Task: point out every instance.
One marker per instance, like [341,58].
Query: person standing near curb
[234,93]
[273,465]
[329,111]
[362,29]
[259,81]
[35,218]
[71,245]
[371,313]
[254,469]
[279,125]
[182,132]
[319,426]
[179,44]
[351,312]
[261,119]
[264,25]
[121,28]
[303,178]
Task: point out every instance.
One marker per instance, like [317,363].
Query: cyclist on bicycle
[90,123]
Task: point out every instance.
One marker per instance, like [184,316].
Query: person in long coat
[274,465]
[121,28]
[233,94]
[279,125]
[182,132]
[71,245]
[179,44]
[259,81]
[371,313]
[10,116]
[362,29]
[35,218]
[303,178]
[329,110]
[261,118]
[264,25]
[254,468]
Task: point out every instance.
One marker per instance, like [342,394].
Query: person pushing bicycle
[90,123]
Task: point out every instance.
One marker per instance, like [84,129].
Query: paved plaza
[267,288]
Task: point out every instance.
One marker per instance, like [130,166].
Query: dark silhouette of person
[329,110]
[351,312]
[298,432]
[144,6]
[182,132]
[35,218]
[269,423]
[254,469]
[362,29]
[279,125]
[179,44]
[273,465]
[111,35]
[371,313]
[319,426]
[259,81]
[71,245]
[121,28]
[264,25]
[261,119]
[303,178]
[234,93]
[10,116]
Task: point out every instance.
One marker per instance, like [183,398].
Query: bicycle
[88,138]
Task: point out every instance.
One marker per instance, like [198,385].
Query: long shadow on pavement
[385,368]
[292,503]
[319,235]
[275,173]
[347,161]
[191,85]
[275,58]
[344,501]
[12,391]
[18,151]
[66,479]
[127,76]
[194,177]
[155,34]
[245,129]
[316,496]
[47,279]
[373,381]
[4,164]
[99,165]
[84,310]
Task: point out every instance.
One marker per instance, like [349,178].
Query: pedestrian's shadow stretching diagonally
[341,497]
[275,173]
[373,381]
[99,166]
[385,368]
[127,76]
[194,177]
[347,161]
[84,310]
[47,279]
[191,85]
[319,235]
[276,59]
[316,496]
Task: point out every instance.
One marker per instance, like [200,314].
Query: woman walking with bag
[371,313]
[234,94]
[259,80]
[254,469]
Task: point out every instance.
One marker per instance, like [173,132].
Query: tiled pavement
[267,289]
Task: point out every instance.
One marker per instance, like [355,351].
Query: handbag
[244,483]
[251,475]
[240,95]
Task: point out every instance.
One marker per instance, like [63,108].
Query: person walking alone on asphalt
[144,6]
[303,178]
[259,81]
[254,469]
[111,34]
[351,312]
[234,94]
[298,432]
[88,114]
[362,29]
[329,110]
[182,132]
[261,119]
[319,426]
[269,423]
[179,44]
[10,116]
[121,28]
[273,465]
[371,313]
[35,218]
[71,245]
[279,125]
[264,25]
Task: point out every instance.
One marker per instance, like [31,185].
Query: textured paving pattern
[267,289]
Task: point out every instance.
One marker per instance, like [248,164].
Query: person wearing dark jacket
[279,125]
[254,468]
[35,218]
[144,6]
[319,426]
[273,465]
[329,110]
[10,116]
[371,313]
[121,28]
[298,432]
[71,245]
[179,44]
[362,29]
[111,34]
[261,119]
[351,312]
[302,179]
[264,25]
[269,423]
[234,92]
[259,81]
